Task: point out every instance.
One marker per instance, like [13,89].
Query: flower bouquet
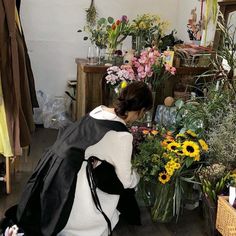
[168,161]
[152,68]
[147,30]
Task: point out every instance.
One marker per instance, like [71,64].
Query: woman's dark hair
[134,97]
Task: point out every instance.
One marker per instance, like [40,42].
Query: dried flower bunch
[222,138]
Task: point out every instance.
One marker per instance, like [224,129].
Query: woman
[75,188]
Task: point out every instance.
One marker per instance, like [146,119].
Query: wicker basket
[226,217]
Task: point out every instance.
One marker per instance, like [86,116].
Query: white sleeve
[116,148]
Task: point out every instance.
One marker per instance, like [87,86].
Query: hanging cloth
[18,20]
[10,72]
[5,145]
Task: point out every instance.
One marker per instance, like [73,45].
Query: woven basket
[226,217]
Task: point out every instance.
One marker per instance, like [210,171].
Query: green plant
[169,161]
[221,137]
[214,180]
[91,14]
[150,28]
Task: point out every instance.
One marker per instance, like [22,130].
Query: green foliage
[214,180]
[148,160]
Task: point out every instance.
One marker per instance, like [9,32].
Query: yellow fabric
[5,146]
[17,19]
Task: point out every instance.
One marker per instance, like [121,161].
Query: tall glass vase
[146,193]
[162,210]
[150,115]
[138,44]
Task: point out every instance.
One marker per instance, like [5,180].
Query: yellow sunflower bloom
[190,149]
[164,177]
[191,133]
[165,142]
[173,146]
[203,144]
[180,153]
[180,136]
[177,166]
[170,171]
[197,158]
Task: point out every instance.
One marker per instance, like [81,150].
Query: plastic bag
[165,116]
[52,111]
[38,112]
[55,113]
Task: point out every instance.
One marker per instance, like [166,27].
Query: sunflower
[164,177]
[173,146]
[181,136]
[191,133]
[180,153]
[170,171]
[197,158]
[177,166]
[165,142]
[190,148]
[203,144]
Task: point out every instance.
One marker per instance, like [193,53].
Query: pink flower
[117,22]
[173,70]
[124,18]
[140,68]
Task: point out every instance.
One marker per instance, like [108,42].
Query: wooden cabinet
[92,90]
[90,87]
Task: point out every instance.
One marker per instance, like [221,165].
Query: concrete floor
[189,224]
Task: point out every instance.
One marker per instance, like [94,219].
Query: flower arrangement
[168,161]
[214,179]
[117,32]
[152,68]
[150,28]
[118,77]
[106,32]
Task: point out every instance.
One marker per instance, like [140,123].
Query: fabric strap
[92,186]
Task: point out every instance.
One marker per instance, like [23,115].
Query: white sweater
[115,148]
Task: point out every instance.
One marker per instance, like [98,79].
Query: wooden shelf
[91,68]
[191,70]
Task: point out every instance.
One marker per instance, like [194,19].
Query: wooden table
[92,92]
[90,86]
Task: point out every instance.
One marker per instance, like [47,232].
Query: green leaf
[189,162]
[179,103]
[101,21]
[110,20]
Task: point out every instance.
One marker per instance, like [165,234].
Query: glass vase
[162,210]
[146,193]
[138,44]
[209,214]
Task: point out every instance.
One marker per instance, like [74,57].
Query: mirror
[232,24]
[228,9]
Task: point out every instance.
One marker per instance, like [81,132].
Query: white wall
[51,26]
[184,13]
